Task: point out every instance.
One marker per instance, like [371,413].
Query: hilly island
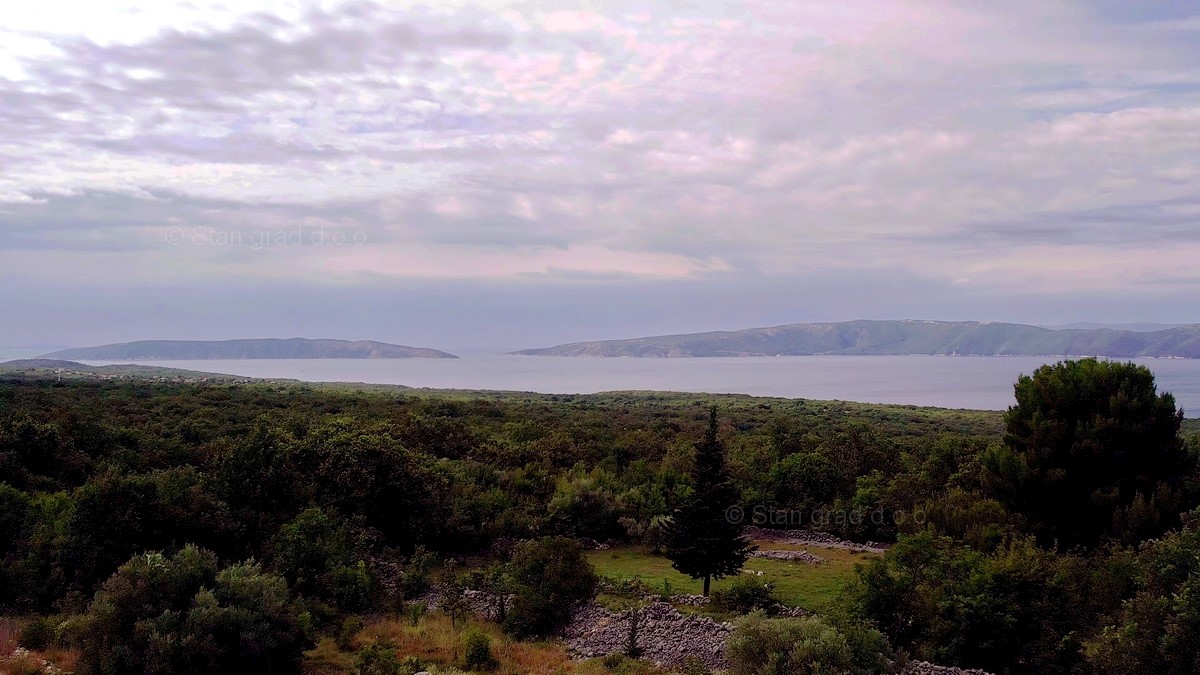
[268,348]
[958,338]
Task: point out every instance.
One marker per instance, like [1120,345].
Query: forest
[150,527]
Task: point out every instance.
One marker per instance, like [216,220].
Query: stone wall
[793,556]
[812,538]
[666,636]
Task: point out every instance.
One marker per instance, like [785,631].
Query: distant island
[269,348]
[961,338]
[51,368]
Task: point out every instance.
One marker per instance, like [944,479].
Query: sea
[976,382]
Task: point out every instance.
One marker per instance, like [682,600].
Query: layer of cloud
[1021,146]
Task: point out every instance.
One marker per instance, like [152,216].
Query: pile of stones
[665,635]
[813,538]
[479,603]
[927,668]
[682,599]
[794,556]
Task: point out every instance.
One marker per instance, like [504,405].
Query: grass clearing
[813,587]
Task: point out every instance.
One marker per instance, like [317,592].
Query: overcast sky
[522,174]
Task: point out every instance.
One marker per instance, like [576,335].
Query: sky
[521,174]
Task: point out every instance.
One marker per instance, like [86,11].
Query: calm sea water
[944,381]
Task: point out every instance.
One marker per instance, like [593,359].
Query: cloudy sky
[520,174]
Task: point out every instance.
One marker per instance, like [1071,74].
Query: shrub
[351,627]
[804,646]
[613,662]
[352,586]
[692,665]
[551,577]
[411,665]
[38,634]
[315,552]
[622,587]
[377,659]
[415,611]
[745,594]
[624,665]
[477,653]
[179,614]
[414,580]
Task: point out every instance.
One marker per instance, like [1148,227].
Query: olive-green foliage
[803,646]
[351,627]
[317,555]
[385,480]
[378,658]
[692,665]
[805,480]
[583,506]
[477,650]
[183,614]
[1158,629]
[414,611]
[1017,609]
[100,471]
[550,578]
[745,594]
[415,576]
[38,633]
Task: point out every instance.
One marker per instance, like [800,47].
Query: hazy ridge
[965,338]
[267,348]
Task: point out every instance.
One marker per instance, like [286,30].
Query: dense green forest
[218,527]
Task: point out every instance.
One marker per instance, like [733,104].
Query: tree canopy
[1091,450]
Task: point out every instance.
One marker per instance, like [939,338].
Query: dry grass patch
[435,642]
[30,661]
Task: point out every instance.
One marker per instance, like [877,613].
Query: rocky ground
[794,556]
[666,636]
[481,604]
[927,668]
[811,538]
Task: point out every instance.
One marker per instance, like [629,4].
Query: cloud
[961,142]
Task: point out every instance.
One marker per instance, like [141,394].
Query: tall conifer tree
[705,538]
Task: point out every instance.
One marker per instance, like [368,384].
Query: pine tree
[705,538]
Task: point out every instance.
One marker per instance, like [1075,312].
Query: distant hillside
[1135,327]
[41,368]
[898,337]
[294,348]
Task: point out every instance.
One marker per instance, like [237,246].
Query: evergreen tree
[1092,450]
[705,538]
